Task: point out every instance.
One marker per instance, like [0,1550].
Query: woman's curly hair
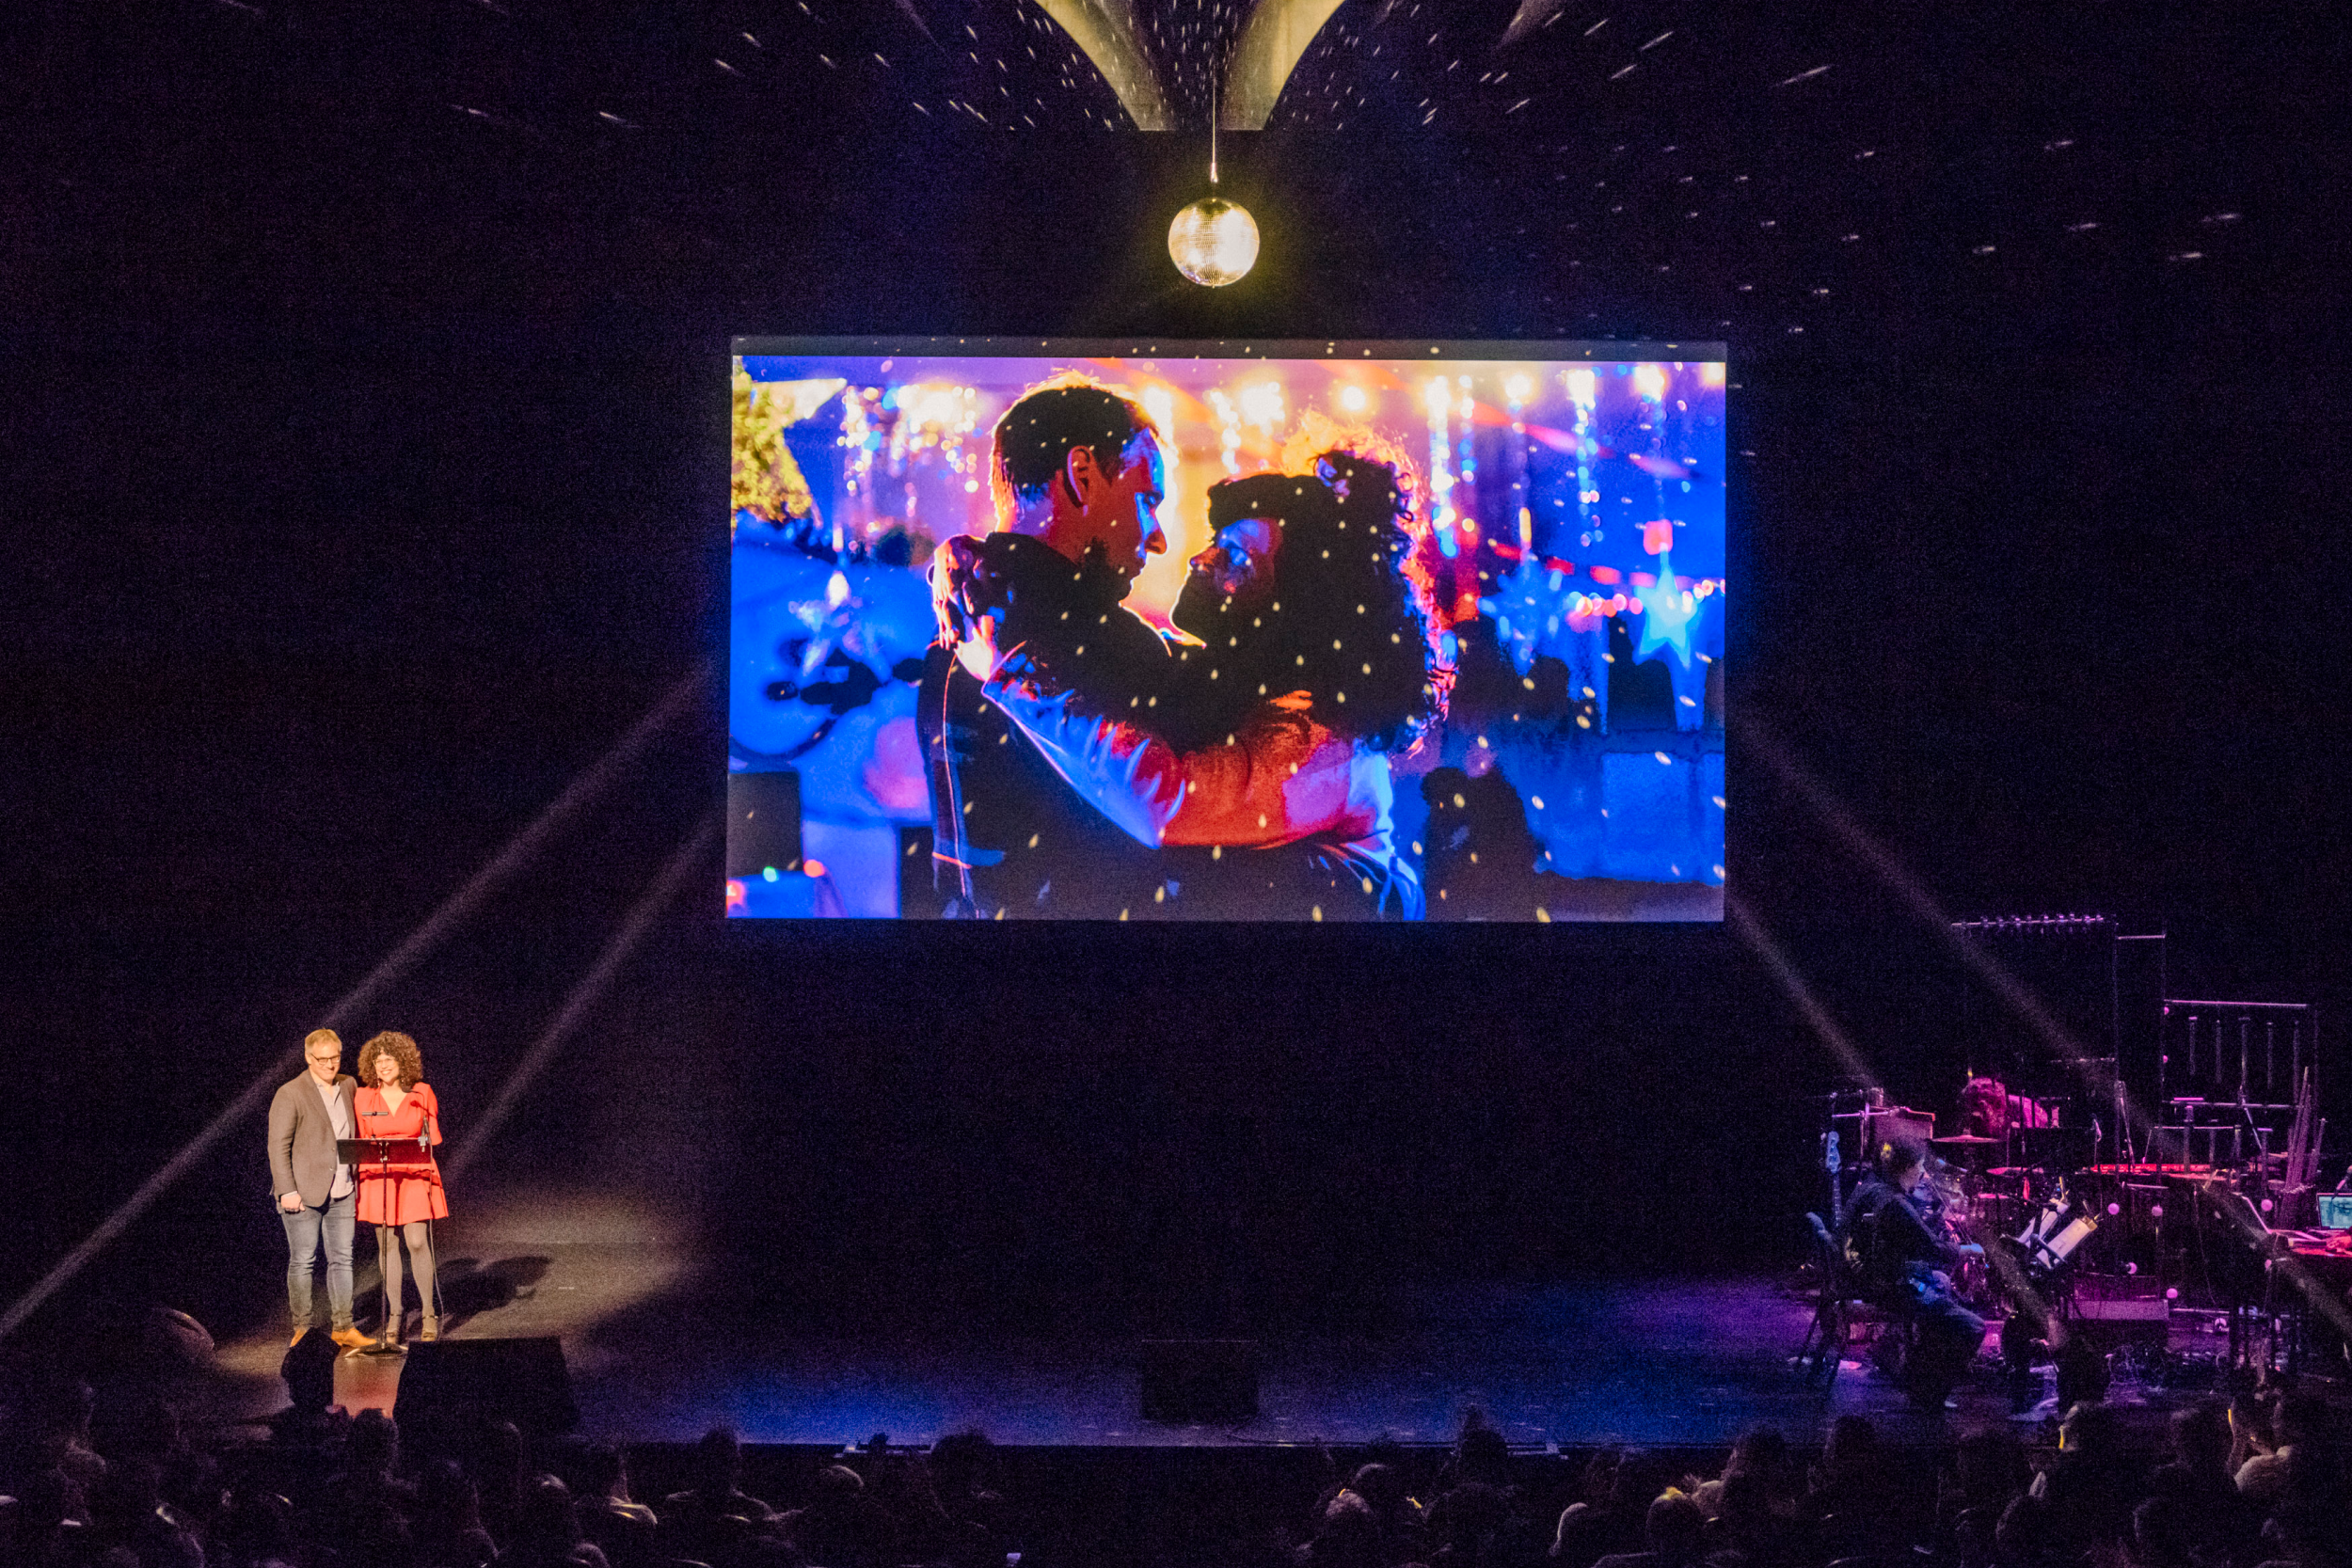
[1350,626]
[1377,501]
[401,1049]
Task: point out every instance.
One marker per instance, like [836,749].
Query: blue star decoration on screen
[1665,618]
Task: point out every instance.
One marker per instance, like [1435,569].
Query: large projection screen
[1281,631]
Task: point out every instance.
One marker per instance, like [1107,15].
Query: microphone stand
[385,1343]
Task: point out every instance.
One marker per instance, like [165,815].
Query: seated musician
[1989,1110]
[1984,1109]
[1904,1271]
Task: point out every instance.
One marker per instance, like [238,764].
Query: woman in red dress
[401,1197]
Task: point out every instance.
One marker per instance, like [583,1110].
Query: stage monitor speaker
[451,1381]
[1200,1380]
[2111,1312]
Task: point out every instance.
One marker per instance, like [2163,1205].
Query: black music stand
[380,1152]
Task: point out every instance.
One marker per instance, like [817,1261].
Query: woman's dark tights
[418,1236]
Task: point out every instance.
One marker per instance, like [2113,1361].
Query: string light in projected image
[1228,429]
[897,442]
[1262,405]
[1438,397]
[1584,395]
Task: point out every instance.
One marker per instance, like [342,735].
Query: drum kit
[2026,1179]
[2086,1209]
[2002,1182]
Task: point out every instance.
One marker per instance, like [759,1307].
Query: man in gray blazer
[314,1188]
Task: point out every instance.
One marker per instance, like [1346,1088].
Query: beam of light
[422,941]
[659,895]
[2012,1276]
[579,1294]
[916,17]
[1106,30]
[1271,42]
[1756,740]
[1761,942]
[1890,870]
[1775,958]
[1530,15]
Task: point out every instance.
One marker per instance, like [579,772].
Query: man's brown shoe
[351,1338]
[297,1337]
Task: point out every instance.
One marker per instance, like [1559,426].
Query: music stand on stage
[357,1152]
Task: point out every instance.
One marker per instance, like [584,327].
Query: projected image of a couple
[1183,637]
[1085,764]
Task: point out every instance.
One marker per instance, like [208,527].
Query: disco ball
[1212,242]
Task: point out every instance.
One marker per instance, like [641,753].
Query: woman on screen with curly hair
[1262,771]
[401,1197]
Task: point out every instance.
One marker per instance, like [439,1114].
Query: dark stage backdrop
[365,478]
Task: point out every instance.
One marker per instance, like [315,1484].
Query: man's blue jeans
[305,1229]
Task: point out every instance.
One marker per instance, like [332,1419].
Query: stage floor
[1669,1363]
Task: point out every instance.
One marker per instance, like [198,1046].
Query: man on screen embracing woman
[1257,765]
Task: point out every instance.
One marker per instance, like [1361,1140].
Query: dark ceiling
[364,456]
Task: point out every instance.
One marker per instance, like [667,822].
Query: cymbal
[1964,1139]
